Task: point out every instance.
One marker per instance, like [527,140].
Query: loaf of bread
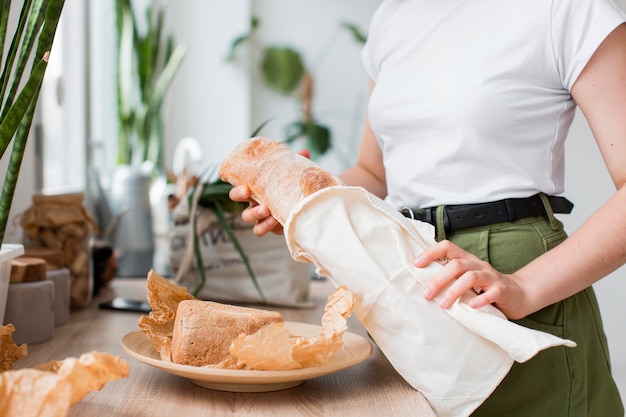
[204,330]
[276,176]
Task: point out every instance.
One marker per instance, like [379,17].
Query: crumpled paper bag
[454,357]
[10,352]
[270,348]
[51,389]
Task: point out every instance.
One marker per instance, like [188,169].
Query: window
[60,127]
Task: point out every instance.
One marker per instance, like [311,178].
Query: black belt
[465,216]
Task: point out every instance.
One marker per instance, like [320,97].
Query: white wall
[209,99]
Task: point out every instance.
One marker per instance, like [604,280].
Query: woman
[470,104]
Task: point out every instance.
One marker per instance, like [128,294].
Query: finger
[255,213]
[240,193]
[442,250]
[450,273]
[267,225]
[469,280]
[485,298]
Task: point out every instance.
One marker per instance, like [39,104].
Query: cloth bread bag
[454,357]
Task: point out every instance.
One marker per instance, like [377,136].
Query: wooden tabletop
[371,387]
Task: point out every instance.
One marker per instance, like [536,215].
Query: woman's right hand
[255,212]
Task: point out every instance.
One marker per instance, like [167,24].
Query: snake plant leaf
[215,197]
[9,60]
[18,115]
[5,7]
[15,163]
[147,64]
[229,231]
[14,113]
[125,92]
[282,68]
[32,25]
[155,103]
[49,28]
[30,91]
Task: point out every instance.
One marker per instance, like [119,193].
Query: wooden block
[28,269]
[53,257]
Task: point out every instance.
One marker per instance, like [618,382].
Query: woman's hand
[258,213]
[464,272]
[255,213]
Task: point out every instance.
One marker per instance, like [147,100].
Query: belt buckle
[407,212]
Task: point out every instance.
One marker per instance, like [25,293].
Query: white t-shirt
[472,101]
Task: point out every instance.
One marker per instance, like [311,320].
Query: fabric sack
[283,281]
[455,357]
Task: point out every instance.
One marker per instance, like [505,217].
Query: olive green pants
[559,381]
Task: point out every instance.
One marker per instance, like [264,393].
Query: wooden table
[372,387]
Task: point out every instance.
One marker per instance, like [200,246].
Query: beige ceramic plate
[355,350]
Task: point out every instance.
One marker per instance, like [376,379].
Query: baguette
[276,176]
[204,330]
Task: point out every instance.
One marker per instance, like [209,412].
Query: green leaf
[318,139]
[318,136]
[239,40]
[294,131]
[260,127]
[147,64]
[30,92]
[9,60]
[282,68]
[224,223]
[33,23]
[358,36]
[5,8]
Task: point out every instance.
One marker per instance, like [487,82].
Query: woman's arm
[369,171]
[593,251]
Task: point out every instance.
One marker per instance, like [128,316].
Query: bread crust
[277,176]
[204,330]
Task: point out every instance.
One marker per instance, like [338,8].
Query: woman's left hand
[468,272]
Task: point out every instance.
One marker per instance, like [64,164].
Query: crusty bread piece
[277,176]
[204,330]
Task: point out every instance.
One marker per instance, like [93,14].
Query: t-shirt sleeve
[578,28]
[368,53]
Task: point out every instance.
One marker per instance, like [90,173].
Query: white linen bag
[454,357]
[283,281]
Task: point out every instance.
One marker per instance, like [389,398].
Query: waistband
[465,216]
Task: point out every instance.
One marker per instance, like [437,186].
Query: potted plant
[284,71]
[147,63]
[20,85]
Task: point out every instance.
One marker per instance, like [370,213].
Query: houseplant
[147,63]
[285,72]
[19,92]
